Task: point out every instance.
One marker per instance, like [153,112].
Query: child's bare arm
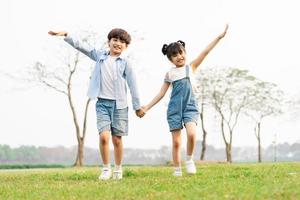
[195,63]
[158,97]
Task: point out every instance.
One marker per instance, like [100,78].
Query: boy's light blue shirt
[125,74]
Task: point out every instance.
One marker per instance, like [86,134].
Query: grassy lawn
[212,181]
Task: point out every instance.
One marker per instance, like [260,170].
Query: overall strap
[187,70]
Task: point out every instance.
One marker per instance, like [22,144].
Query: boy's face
[116,46]
[178,59]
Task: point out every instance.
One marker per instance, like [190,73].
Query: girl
[182,106]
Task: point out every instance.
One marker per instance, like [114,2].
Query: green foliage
[212,181]
[31,153]
[27,166]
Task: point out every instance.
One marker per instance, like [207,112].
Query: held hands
[60,33]
[224,32]
[141,112]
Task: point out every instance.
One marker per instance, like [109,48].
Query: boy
[108,86]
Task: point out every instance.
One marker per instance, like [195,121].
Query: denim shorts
[109,118]
[177,116]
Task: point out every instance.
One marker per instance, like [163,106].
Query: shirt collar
[122,56]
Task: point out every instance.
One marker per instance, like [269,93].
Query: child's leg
[118,149]
[176,138]
[118,152]
[119,129]
[104,149]
[104,146]
[191,137]
[191,141]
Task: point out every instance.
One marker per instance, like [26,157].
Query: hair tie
[181,42]
[164,49]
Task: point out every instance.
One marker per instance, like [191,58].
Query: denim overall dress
[183,107]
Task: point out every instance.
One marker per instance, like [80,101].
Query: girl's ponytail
[181,42]
[164,49]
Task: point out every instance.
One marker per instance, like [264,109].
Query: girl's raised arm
[195,63]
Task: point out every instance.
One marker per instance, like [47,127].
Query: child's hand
[140,113]
[224,32]
[61,33]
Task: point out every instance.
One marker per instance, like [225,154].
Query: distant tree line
[65,156]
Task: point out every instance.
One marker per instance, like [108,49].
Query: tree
[267,101]
[44,77]
[60,79]
[231,90]
[202,93]
[293,106]
[6,153]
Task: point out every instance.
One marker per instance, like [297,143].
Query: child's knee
[117,140]
[176,144]
[104,138]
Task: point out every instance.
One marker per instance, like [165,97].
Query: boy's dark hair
[119,34]
[173,48]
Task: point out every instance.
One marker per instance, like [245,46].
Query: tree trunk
[228,153]
[259,142]
[80,146]
[80,150]
[85,118]
[203,148]
[227,144]
[78,161]
[79,157]
[230,147]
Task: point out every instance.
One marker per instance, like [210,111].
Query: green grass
[212,181]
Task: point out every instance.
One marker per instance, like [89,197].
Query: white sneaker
[177,173]
[117,174]
[106,174]
[190,167]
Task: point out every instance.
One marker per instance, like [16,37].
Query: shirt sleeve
[132,84]
[82,47]
[167,79]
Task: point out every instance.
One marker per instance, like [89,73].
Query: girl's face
[116,46]
[178,59]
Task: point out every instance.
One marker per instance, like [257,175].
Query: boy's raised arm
[60,33]
[82,47]
[195,63]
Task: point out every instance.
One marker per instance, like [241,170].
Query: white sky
[263,37]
